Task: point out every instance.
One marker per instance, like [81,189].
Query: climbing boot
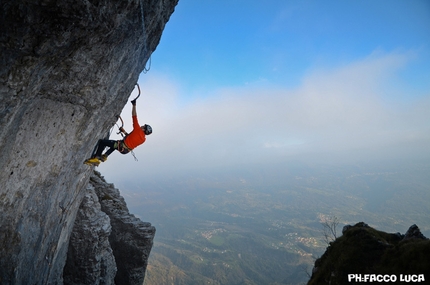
[92,161]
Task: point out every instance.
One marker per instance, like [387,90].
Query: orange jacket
[136,137]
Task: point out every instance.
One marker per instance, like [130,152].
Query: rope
[145,69]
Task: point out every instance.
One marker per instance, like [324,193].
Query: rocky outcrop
[90,259]
[66,69]
[362,250]
[104,229]
[414,232]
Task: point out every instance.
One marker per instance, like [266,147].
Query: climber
[129,142]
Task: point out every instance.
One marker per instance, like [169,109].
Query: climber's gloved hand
[133,102]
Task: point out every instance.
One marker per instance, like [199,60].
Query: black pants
[112,145]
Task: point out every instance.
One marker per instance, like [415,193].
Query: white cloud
[335,111]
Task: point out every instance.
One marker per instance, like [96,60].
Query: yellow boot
[92,161]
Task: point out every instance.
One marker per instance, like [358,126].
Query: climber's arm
[133,110]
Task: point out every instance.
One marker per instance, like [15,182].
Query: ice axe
[134,100]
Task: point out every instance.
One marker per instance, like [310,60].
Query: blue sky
[208,44]
[236,83]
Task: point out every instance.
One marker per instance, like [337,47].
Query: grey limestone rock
[90,259]
[67,68]
[108,244]
[131,239]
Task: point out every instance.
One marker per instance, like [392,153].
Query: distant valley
[264,227]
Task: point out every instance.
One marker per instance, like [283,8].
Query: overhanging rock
[67,68]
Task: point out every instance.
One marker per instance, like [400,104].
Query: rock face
[67,68]
[106,232]
[90,259]
[108,245]
[414,233]
[364,250]
[131,239]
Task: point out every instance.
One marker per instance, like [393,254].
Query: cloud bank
[337,114]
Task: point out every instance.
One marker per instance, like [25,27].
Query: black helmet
[148,129]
